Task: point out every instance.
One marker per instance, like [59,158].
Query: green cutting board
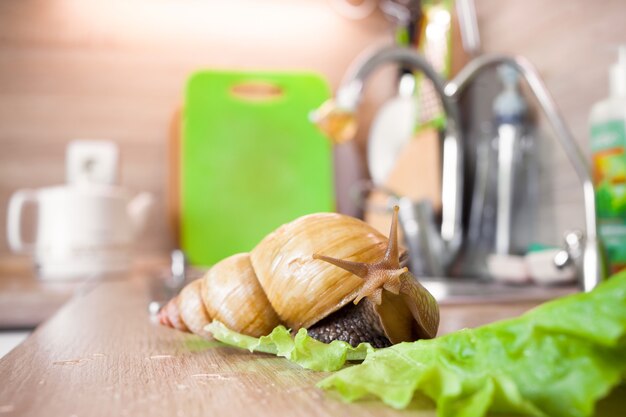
[251,160]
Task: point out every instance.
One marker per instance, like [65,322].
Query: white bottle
[607,123]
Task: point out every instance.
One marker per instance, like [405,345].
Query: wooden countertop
[103,355]
[26,301]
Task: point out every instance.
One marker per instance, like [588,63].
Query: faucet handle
[572,251]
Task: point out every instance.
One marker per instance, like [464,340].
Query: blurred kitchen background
[116,70]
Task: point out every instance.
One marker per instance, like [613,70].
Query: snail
[332,274]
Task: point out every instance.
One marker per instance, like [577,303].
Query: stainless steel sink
[472,291]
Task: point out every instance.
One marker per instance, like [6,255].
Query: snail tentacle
[384,274]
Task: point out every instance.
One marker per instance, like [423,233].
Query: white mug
[81,230]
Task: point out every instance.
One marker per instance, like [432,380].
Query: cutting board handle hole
[256,91]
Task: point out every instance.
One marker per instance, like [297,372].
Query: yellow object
[339,125]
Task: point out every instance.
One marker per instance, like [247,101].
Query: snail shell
[305,274]
[229,292]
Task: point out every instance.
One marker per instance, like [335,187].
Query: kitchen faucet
[432,253]
[592,266]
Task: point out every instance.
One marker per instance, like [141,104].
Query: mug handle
[14,220]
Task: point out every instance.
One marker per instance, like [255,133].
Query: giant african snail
[360,294]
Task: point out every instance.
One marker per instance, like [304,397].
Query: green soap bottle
[608,152]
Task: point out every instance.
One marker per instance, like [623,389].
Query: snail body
[329,273]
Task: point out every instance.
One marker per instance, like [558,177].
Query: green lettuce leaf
[556,360]
[301,349]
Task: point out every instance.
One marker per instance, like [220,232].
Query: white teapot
[82,230]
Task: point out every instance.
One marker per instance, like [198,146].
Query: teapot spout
[138,210]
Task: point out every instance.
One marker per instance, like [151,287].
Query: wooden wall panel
[115,69]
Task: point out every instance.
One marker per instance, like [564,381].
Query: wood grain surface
[116,70]
[103,355]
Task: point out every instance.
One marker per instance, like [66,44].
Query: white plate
[392,128]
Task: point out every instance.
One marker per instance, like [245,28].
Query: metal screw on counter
[163,290]
[177,268]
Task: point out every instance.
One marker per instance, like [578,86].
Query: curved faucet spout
[351,89]
[348,98]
